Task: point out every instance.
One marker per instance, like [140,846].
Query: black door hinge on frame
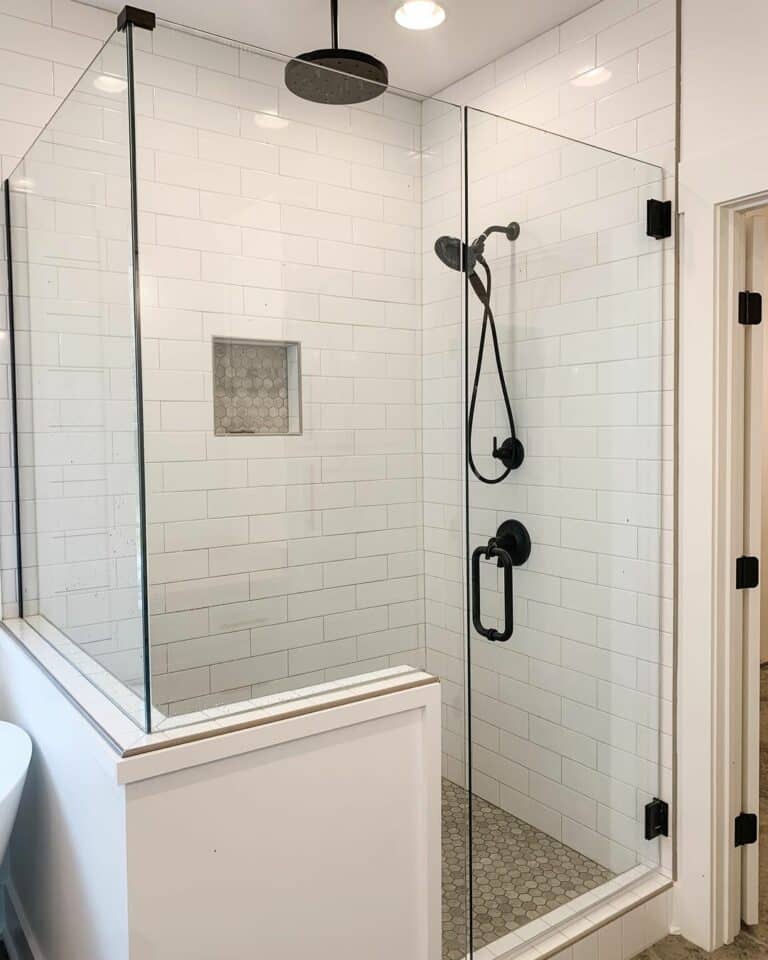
[656,819]
[750,308]
[659,219]
[747,572]
[745,830]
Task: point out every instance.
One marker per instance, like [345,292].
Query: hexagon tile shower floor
[520,873]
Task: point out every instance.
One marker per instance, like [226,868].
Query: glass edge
[563,136]
[64,102]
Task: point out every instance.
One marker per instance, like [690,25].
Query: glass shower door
[564,490]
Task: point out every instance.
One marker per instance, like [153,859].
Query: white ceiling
[474,32]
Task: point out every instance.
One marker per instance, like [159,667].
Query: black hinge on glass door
[659,219]
[745,830]
[656,819]
[750,308]
[747,573]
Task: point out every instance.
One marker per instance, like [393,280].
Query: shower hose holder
[511,453]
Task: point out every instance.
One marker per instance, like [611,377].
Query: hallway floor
[752,941]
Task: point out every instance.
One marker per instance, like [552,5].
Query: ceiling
[474,32]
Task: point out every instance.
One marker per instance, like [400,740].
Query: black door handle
[510,547]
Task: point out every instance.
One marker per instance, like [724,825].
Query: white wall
[71,814]
[567,714]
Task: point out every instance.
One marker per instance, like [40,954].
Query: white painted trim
[754,425]
[156,763]
[126,737]
[728,540]
[708,185]
[734,615]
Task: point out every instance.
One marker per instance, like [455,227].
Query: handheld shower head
[455,254]
[458,256]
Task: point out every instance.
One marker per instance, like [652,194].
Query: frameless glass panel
[565,643]
[288,277]
[70,216]
[443,498]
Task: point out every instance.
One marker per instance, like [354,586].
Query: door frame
[736,512]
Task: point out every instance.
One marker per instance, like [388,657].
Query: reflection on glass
[70,215]
[566,712]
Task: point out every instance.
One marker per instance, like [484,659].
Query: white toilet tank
[15,754]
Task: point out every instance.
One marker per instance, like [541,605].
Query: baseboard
[18,938]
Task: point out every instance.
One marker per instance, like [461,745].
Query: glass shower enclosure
[269,439]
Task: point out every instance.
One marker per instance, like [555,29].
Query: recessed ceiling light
[420,15]
[592,78]
[108,84]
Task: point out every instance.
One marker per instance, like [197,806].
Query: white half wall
[321,838]
[316,834]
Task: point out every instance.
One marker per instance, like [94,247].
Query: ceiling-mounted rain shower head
[336,75]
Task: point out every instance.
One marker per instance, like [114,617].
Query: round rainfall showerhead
[335,75]
[455,254]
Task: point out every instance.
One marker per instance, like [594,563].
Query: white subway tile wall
[44,48]
[571,720]
[320,230]
[263,217]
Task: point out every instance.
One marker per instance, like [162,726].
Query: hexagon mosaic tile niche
[256,387]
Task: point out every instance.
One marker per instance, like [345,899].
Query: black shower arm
[479,244]
[488,231]
[335,24]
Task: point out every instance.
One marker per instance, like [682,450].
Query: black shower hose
[484,295]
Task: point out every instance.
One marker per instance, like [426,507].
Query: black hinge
[745,830]
[750,308]
[747,572]
[656,819]
[659,219]
[139,18]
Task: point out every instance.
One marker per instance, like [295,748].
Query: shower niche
[256,387]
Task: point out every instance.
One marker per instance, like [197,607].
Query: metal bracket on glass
[137,18]
[511,547]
